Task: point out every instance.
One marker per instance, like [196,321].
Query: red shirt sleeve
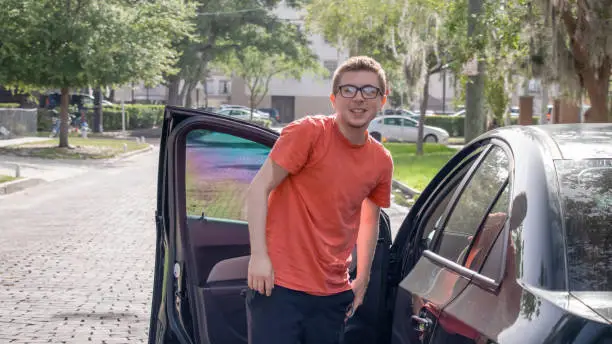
[381,194]
[293,148]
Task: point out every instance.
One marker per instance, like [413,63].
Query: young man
[317,195]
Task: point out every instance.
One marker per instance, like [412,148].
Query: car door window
[435,217]
[218,170]
[473,205]
[409,123]
[483,241]
[393,121]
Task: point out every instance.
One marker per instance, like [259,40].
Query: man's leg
[325,322]
[274,319]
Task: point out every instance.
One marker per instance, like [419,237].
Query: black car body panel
[510,286]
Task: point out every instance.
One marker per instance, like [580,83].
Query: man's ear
[384,101]
[332,99]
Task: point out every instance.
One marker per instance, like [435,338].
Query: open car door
[206,164]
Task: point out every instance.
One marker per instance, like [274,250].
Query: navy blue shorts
[294,317]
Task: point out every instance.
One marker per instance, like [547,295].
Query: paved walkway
[21,140]
[77,259]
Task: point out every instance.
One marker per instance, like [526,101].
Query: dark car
[509,243]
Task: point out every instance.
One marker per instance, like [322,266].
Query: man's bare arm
[366,245]
[261,273]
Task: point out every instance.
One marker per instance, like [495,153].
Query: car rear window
[586,192]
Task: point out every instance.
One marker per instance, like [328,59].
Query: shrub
[9,105]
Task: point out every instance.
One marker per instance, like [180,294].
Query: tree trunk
[182,94]
[190,86]
[597,87]
[570,112]
[111,96]
[64,118]
[422,115]
[556,112]
[544,106]
[475,123]
[173,91]
[97,120]
[526,110]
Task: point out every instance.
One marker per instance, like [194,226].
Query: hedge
[137,116]
[455,125]
[9,105]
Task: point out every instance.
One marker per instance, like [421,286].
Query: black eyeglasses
[367,91]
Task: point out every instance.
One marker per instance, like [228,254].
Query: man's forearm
[257,210]
[366,239]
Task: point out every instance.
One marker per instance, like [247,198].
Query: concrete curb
[405,188]
[129,154]
[19,184]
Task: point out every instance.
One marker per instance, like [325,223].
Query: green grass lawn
[81,148]
[4,179]
[417,171]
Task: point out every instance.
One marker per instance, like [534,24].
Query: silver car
[405,129]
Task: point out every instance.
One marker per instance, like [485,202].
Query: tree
[580,49]
[405,36]
[219,31]
[282,52]
[72,44]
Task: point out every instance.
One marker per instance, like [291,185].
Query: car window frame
[485,282]
[413,248]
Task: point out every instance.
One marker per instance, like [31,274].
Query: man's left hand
[359,286]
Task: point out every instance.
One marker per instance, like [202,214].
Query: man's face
[356,108]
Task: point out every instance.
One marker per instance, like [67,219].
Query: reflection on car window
[218,170]
[586,191]
[485,238]
[473,204]
[461,169]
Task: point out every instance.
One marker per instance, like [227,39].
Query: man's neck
[355,136]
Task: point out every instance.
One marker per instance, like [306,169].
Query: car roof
[582,140]
[562,141]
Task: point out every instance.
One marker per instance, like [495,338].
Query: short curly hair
[360,63]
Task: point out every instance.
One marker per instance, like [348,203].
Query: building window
[224,87]
[210,86]
[331,66]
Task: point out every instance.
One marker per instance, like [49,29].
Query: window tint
[218,170]
[473,205]
[393,121]
[436,215]
[485,238]
[586,192]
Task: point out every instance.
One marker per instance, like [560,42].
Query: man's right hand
[261,274]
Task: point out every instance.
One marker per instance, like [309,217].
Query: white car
[243,113]
[405,129]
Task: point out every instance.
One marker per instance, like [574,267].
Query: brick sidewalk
[77,259]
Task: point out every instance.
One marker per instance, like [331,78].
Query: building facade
[296,98]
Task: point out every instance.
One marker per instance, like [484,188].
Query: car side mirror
[519,211]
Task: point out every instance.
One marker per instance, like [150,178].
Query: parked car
[509,243]
[242,113]
[274,114]
[404,129]
[400,112]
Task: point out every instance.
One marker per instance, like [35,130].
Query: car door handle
[421,324]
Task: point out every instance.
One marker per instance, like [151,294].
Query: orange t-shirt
[313,215]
